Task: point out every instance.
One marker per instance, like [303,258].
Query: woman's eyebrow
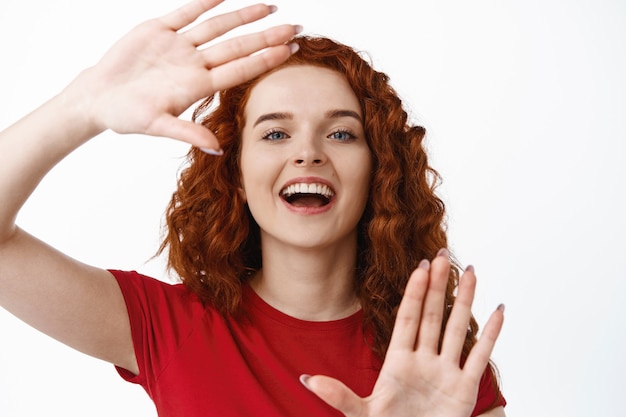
[273,116]
[334,114]
[331,114]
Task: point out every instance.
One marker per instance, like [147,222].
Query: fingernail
[424,264]
[216,152]
[272,8]
[298,28]
[470,268]
[501,308]
[293,47]
[443,252]
[304,380]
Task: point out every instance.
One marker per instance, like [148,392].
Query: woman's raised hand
[165,65]
[416,379]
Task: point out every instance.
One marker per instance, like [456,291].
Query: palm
[157,71]
[417,385]
[150,74]
[418,379]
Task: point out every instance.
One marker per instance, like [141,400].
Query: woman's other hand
[416,379]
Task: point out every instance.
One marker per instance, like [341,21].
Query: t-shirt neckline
[253,300]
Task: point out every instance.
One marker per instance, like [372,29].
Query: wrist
[78,105]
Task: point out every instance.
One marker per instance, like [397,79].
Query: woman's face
[305,162]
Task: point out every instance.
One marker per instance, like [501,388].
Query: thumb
[334,392]
[193,133]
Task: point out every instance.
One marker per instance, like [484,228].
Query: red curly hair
[213,242]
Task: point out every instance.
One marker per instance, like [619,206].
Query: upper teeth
[301,188]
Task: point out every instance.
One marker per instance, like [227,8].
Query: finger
[195,134]
[244,69]
[481,352]
[219,25]
[458,323]
[409,312]
[335,393]
[432,314]
[246,45]
[188,13]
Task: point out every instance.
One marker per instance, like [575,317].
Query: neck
[308,284]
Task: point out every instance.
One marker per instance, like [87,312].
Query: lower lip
[309,210]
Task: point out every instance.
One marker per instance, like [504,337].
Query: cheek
[258,176]
[247,170]
[361,170]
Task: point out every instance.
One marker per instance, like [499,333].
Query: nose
[309,153]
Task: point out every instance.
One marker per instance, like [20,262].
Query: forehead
[301,88]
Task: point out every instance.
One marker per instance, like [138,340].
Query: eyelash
[348,133]
[267,135]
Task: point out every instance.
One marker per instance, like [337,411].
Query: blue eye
[274,135]
[342,135]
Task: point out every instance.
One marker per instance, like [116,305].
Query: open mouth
[307,195]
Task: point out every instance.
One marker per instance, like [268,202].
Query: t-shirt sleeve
[489,395]
[161,318]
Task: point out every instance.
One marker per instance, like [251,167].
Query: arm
[141,85]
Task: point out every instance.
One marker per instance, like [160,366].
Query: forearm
[31,147]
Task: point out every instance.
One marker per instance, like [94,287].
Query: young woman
[305,230]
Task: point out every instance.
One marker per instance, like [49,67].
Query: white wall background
[525,102]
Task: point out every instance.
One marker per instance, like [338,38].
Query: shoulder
[151,295]
[137,280]
[162,318]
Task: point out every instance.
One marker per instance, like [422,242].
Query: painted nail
[304,380]
[470,268]
[272,8]
[443,252]
[424,264]
[293,47]
[216,152]
[501,308]
[298,28]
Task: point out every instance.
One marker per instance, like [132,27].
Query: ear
[242,193]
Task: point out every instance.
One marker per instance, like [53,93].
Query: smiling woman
[322,142]
[305,230]
[316,263]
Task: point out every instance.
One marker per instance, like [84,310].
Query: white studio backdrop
[525,105]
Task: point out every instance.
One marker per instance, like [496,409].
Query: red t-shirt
[193,362]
